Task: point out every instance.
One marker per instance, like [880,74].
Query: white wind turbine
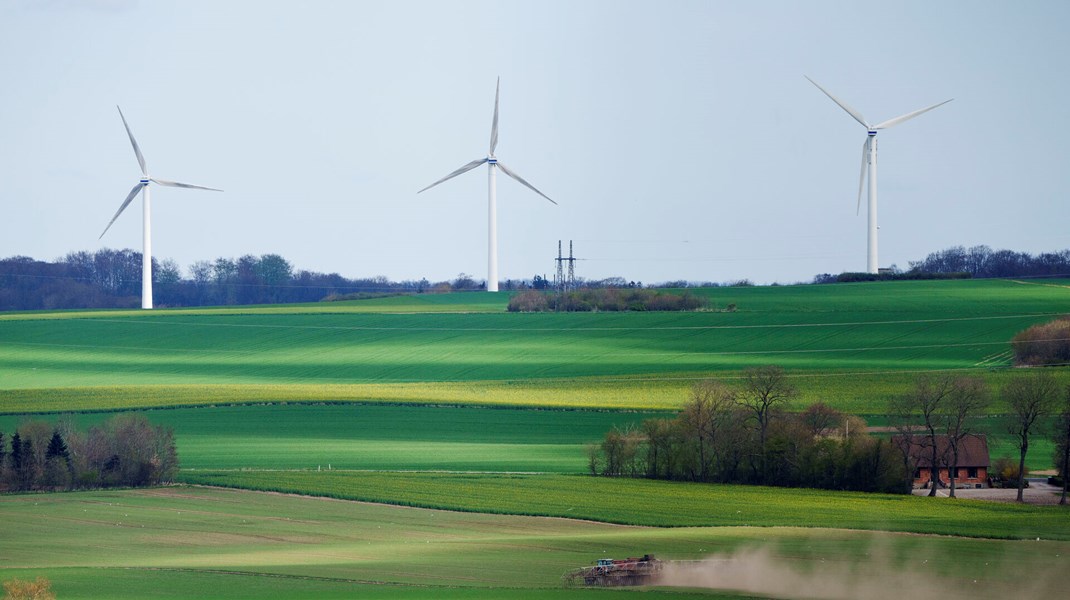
[869,164]
[143,187]
[492,218]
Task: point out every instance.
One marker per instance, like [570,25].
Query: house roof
[973,450]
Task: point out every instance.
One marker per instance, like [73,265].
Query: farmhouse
[972,465]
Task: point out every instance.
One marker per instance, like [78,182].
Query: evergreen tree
[16,454]
[23,467]
[57,448]
[3,455]
[58,472]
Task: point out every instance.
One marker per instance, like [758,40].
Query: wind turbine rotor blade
[908,116]
[854,113]
[133,142]
[182,185]
[464,169]
[862,176]
[521,180]
[494,124]
[129,198]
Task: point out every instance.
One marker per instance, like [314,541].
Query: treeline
[125,451]
[605,299]
[112,279]
[741,434]
[888,275]
[982,261]
[959,262]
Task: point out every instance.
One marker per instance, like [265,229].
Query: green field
[379,437]
[449,402]
[661,503]
[853,346]
[414,437]
[208,543]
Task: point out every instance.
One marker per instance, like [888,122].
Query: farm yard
[468,425]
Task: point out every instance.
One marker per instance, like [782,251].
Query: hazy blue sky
[680,139]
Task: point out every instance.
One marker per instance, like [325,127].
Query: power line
[565,283]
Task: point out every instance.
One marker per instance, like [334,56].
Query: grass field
[661,503]
[380,437]
[442,401]
[958,326]
[408,437]
[853,346]
[210,543]
[236,540]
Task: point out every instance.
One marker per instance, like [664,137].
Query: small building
[973,461]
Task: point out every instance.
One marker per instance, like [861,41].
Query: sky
[679,139]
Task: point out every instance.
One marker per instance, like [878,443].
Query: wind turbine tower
[493,165]
[869,166]
[146,223]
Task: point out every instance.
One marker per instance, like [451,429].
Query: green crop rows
[852,346]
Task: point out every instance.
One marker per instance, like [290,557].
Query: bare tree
[967,401]
[765,389]
[901,411]
[39,433]
[821,419]
[593,451]
[924,403]
[702,420]
[1062,443]
[166,271]
[621,449]
[1030,397]
[660,438]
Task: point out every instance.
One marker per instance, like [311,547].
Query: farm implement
[611,573]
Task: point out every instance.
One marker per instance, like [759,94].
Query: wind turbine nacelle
[144,181]
[871,132]
[492,160]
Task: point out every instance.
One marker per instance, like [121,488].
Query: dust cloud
[876,576]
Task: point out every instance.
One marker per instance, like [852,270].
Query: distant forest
[982,261]
[978,261]
[112,279]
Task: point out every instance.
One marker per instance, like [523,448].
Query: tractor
[608,572]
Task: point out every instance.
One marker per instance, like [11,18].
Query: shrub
[1005,472]
[39,589]
[529,301]
[1045,344]
[625,299]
